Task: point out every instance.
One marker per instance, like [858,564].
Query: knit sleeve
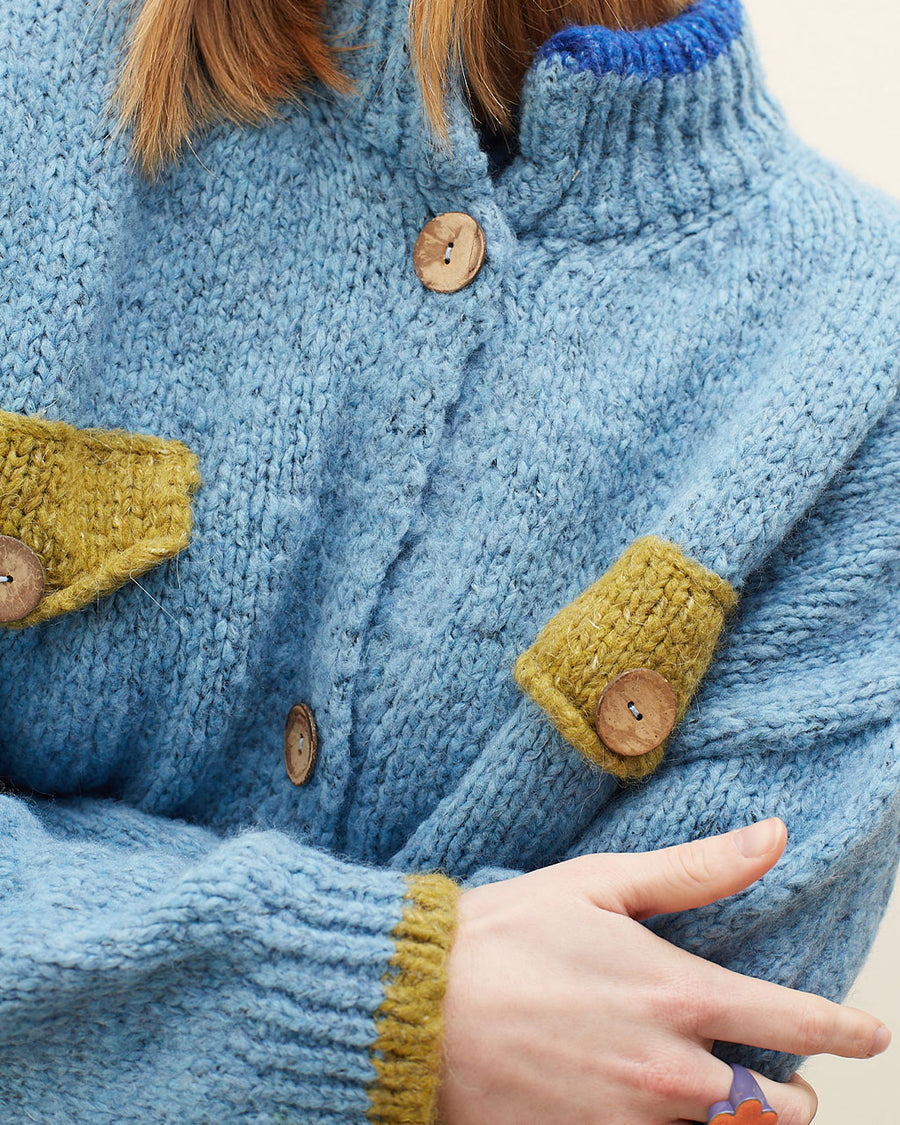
[813,657]
[152,971]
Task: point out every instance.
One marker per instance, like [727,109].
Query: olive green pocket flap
[654,609]
[96,506]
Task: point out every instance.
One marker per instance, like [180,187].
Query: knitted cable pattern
[654,608]
[97,506]
[406,1053]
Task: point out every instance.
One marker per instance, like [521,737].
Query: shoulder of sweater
[828,204]
[857,207]
[832,237]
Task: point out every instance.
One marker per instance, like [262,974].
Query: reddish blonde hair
[188,63]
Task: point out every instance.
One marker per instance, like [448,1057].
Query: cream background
[835,67]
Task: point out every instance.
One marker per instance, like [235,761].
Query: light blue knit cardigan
[686,326]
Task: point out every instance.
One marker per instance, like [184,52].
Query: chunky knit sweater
[261,464]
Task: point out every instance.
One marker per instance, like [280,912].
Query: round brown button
[300,743]
[449,251]
[636,712]
[21,579]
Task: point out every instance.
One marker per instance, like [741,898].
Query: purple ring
[745,1105]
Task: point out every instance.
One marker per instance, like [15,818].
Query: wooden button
[21,579]
[300,743]
[449,251]
[636,712]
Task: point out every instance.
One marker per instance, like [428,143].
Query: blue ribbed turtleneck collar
[686,42]
[616,129]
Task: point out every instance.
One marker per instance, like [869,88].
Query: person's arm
[813,655]
[152,971]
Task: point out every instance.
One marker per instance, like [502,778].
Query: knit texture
[701,33]
[654,609]
[686,327]
[96,506]
[407,1052]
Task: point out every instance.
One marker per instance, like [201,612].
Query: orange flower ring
[746,1104]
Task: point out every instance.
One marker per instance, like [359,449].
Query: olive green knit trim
[407,1051]
[96,506]
[654,608]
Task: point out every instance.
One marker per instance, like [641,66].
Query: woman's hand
[562,1010]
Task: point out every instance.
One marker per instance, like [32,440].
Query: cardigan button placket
[301,742]
[21,579]
[449,251]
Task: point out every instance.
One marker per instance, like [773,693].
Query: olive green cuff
[407,1051]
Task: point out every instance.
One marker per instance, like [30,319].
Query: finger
[799,1080]
[795,1101]
[707,1081]
[685,876]
[734,1008]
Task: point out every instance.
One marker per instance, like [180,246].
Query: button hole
[6,578]
[447,254]
[634,711]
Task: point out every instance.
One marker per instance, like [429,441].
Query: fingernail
[881,1042]
[756,839]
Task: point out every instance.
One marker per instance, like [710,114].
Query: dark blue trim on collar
[686,42]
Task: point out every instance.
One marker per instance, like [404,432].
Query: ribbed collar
[616,129]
